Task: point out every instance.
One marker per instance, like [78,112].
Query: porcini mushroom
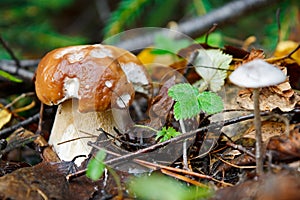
[257,74]
[85,81]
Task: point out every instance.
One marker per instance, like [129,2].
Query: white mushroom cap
[257,74]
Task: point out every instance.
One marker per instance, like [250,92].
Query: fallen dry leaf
[10,166]
[161,105]
[285,147]
[268,99]
[44,181]
[268,129]
[284,48]
[5,116]
[283,186]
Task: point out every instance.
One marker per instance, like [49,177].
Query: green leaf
[186,105]
[212,66]
[10,77]
[162,187]
[96,166]
[167,45]
[214,39]
[210,102]
[165,134]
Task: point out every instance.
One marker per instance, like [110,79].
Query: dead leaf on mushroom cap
[269,100]
[254,54]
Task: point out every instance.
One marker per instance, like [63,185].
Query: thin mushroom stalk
[258,135]
[257,74]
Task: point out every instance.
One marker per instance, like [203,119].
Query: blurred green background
[34,27]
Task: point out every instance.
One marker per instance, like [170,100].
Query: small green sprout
[165,134]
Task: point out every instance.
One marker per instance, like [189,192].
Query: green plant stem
[146,127]
[257,123]
[117,181]
[184,147]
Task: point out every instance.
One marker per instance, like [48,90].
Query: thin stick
[11,53]
[17,99]
[240,148]
[40,124]
[212,29]
[236,166]
[5,132]
[152,166]
[183,178]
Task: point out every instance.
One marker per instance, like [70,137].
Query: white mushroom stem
[72,130]
[257,124]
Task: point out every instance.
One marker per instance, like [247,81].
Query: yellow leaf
[5,117]
[285,47]
[146,57]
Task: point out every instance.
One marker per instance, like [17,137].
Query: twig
[5,132]
[153,166]
[20,142]
[291,53]
[40,124]
[11,53]
[236,166]
[17,99]
[189,134]
[182,137]
[240,148]
[24,63]
[178,138]
[199,25]
[212,29]
[183,178]
[13,69]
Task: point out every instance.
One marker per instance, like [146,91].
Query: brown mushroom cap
[133,68]
[87,72]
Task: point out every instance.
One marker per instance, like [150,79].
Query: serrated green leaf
[212,66]
[210,102]
[186,105]
[96,166]
[10,77]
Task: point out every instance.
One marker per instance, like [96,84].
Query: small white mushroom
[257,74]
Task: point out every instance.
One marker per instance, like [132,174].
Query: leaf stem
[146,127]
[184,147]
